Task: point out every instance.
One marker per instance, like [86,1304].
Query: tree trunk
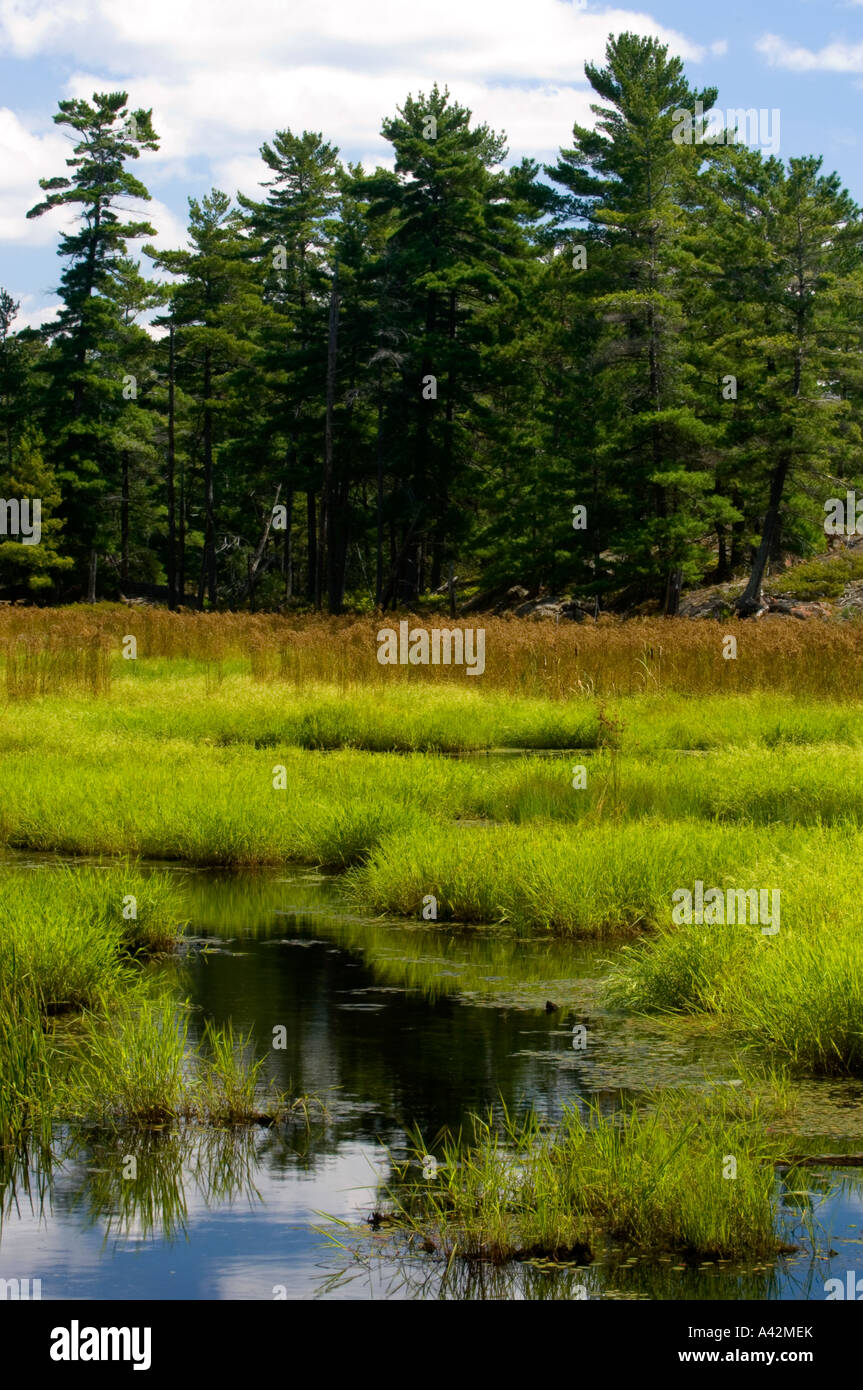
[202,580]
[172,499]
[751,600]
[209,493]
[379,509]
[91,578]
[738,529]
[326,479]
[288,547]
[398,585]
[672,593]
[312,531]
[337,550]
[255,562]
[723,571]
[124,521]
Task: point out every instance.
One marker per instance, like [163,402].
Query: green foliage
[652,1177]
[369,379]
[823,577]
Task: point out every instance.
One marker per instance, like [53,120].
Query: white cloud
[26,157]
[170,230]
[551,39]
[241,172]
[338,66]
[30,26]
[833,57]
[34,310]
[220,80]
[719,48]
[209,113]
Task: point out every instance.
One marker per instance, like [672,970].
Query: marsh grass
[49,662]
[140,1069]
[64,939]
[615,876]
[134,1064]
[651,1177]
[605,659]
[797,995]
[183,800]
[175,760]
[67,949]
[26,1081]
[229,1089]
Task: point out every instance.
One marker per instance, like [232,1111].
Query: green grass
[133,1066]
[652,1177]
[798,994]
[65,940]
[167,705]
[74,942]
[169,702]
[26,1081]
[177,763]
[229,1082]
[177,799]
[138,1068]
[739,791]
[824,576]
[613,877]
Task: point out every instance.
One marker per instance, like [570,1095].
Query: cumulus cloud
[833,57]
[217,79]
[34,311]
[25,157]
[221,79]
[374,36]
[170,230]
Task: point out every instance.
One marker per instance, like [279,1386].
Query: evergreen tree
[86,394]
[213,310]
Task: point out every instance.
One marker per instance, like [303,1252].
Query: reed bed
[48,662]
[179,756]
[651,1177]
[180,800]
[558,661]
[238,739]
[73,946]
[797,996]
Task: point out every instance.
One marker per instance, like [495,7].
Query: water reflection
[396,1027]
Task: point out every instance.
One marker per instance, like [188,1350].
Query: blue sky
[222,76]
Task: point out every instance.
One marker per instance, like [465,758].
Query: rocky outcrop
[556,609]
[796,609]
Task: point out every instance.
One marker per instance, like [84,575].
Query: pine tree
[626,181]
[294,227]
[454,252]
[86,391]
[214,307]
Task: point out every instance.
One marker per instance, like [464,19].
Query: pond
[396,1028]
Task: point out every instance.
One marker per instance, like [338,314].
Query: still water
[395,1028]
